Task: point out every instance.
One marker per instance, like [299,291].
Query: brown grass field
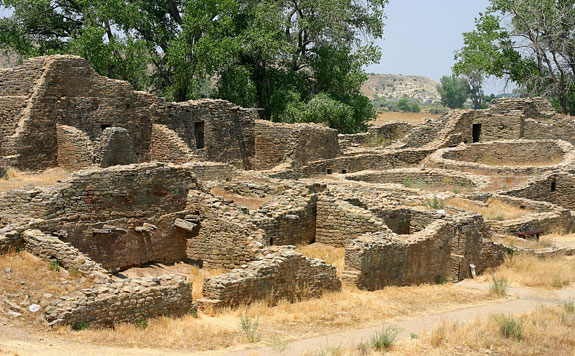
[15,179]
[545,331]
[495,209]
[531,271]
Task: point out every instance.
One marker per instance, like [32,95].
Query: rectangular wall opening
[553,185]
[199,133]
[476,132]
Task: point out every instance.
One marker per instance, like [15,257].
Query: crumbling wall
[296,144]
[380,135]
[339,222]
[75,150]
[167,146]
[226,237]
[124,302]
[556,188]
[282,273]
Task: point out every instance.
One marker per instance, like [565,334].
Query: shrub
[509,326]
[55,266]
[569,307]
[141,323]
[435,203]
[73,271]
[499,286]
[385,338]
[250,327]
[277,344]
[441,279]
[407,183]
[81,325]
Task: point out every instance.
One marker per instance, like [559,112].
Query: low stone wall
[339,222]
[50,248]
[167,146]
[123,302]
[506,158]
[383,135]
[282,273]
[422,178]
[211,171]
[556,188]
[492,255]
[75,150]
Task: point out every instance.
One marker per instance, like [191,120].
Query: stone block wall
[75,150]
[386,134]
[167,146]
[492,255]
[339,222]
[556,188]
[296,144]
[50,248]
[226,237]
[124,302]
[282,273]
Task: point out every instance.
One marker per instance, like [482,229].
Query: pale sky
[421,37]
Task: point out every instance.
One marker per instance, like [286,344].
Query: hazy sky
[421,37]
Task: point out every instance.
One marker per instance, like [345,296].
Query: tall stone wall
[123,302]
[282,273]
[292,143]
[556,188]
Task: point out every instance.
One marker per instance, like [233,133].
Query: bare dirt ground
[410,117]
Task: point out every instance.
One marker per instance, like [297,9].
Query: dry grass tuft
[14,179]
[33,277]
[251,203]
[546,331]
[544,242]
[285,320]
[531,271]
[493,210]
[331,255]
[504,183]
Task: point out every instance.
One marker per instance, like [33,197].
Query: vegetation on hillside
[301,61]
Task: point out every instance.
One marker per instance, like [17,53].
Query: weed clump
[499,286]
[509,326]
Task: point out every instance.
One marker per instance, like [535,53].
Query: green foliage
[385,338]
[509,326]
[141,323]
[499,286]
[407,183]
[528,42]
[300,61]
[81,325]
[277,344]
[435,203]
[55,266]
[73,271]
[250,327]
[569,307]
[407,105]
[441,280]
[413,336]
[454,91]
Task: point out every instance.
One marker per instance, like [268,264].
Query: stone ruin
[207,183]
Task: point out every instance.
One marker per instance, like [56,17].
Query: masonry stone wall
[124,302]
[383,135]
[556,188]
[296,144]
[282,273]
[75,150]
[492,255]
[511,158]
[339,222]
[167,146]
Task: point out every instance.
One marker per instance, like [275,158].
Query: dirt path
[23,343]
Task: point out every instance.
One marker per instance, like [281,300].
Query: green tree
[406,105]
[530,42]
[454,91]
[273,54]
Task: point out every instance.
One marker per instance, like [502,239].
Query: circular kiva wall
[428,179]
[514,157]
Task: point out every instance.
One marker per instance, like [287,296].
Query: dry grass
[410,117]
[7,353]
[33,277]
[530,271]
[498,162]
[15,179]
[331,255]
[350,308]
[546,331]
[251,203]
[493,210]
[544,242]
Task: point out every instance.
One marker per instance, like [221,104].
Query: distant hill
[396,86]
